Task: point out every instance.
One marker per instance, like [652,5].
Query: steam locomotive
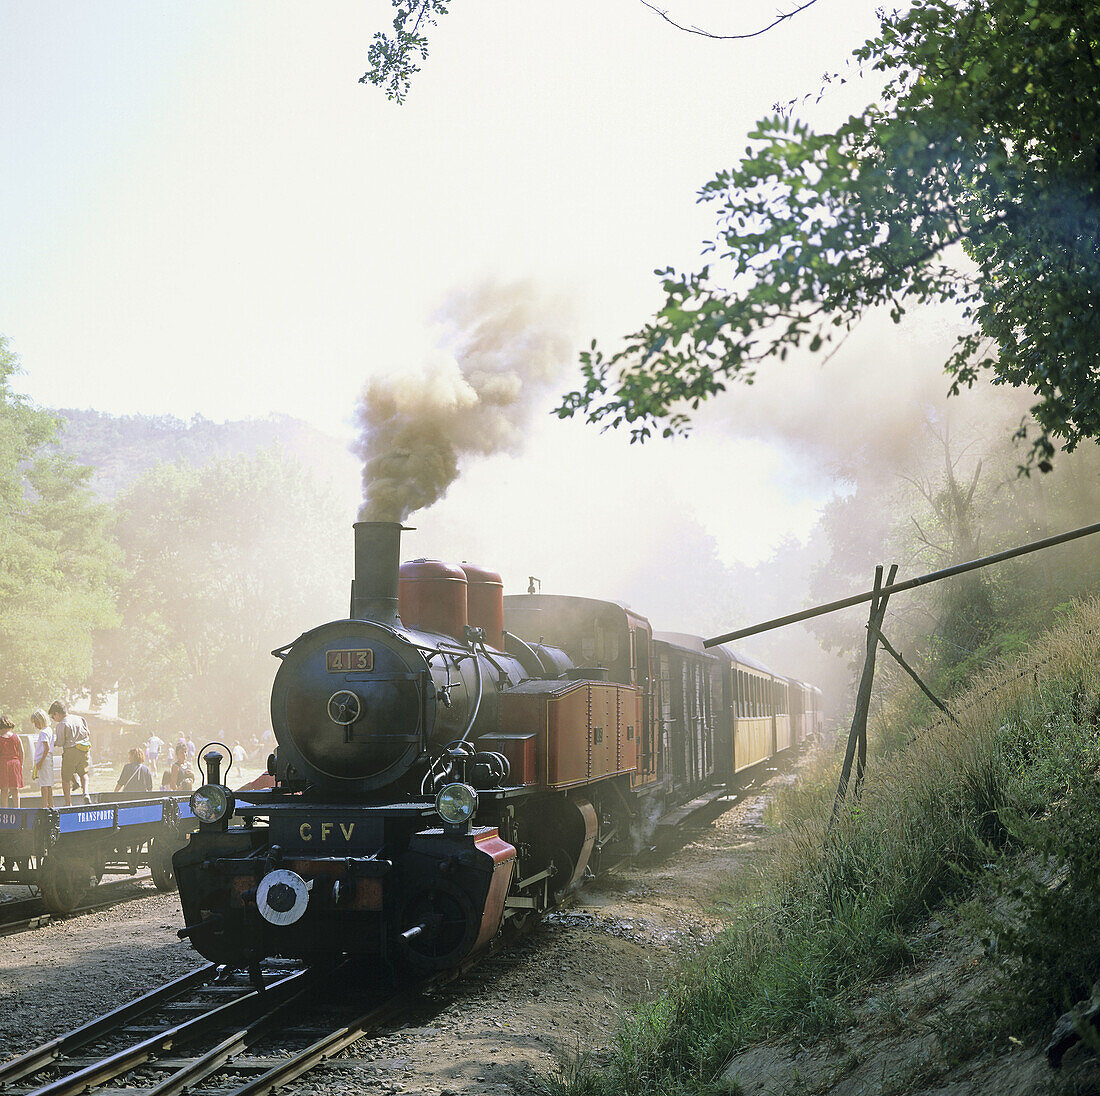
[438,777]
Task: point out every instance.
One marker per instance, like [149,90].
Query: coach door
[646,724]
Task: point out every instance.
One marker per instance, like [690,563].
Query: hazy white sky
[204,211]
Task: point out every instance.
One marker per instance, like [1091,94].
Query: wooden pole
[910,584]
[857,736]
[913,674]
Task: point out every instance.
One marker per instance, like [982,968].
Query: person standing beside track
[135,775]
[152,752]
[180,777]
[43,755]
[11,763]
[76,743]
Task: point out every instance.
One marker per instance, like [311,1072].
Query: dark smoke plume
[500,349]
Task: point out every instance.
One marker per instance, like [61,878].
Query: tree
[975,180]
[391,59]
[224,563]
[58,565]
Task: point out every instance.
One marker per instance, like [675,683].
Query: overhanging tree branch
[781,18]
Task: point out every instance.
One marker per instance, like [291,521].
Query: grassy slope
[1004,805]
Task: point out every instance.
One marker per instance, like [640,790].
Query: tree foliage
[974,180]
[58,565]
[392,59]
[224,563]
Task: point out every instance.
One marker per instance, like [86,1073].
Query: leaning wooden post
[853,734]
[874,624]
[913,674]
[857,737]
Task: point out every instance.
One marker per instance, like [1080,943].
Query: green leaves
[986,137]
[223,563]
[58,566]
[391,59]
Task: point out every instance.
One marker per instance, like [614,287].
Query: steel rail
[328,1045]
[198,1069]
[33,1061]
[122,1061]
[12,928]
[898,587]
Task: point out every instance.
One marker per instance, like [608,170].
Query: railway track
[212,1031]
[24,914]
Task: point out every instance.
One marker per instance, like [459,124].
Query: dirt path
[531,1008]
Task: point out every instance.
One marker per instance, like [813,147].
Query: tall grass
[832,907]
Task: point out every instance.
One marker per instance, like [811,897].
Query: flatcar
[64,851]
[450,761]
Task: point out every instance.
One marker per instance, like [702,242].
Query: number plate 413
[344,662]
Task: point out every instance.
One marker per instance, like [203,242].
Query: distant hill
[122,447]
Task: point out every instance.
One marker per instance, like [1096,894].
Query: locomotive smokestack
[377,558]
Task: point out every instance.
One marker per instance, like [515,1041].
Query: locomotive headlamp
[210,803]
[456,803]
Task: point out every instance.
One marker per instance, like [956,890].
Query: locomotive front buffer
[409,884]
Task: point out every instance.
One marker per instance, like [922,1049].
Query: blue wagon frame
[65,851]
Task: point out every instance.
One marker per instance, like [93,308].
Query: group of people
[58,727]
[68,731]
[139,772]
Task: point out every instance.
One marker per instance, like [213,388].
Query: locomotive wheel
[448,925]
[160,863]
[64,881]
[564,866]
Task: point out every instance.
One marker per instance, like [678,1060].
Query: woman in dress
[11,763]
[43,755]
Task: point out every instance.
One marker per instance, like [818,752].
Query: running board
[678,816]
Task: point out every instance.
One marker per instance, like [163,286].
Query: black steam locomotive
[437,775]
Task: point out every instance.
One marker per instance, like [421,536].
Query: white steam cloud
[500,349]
[870,405]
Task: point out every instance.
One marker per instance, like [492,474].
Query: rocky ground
[532,1009]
